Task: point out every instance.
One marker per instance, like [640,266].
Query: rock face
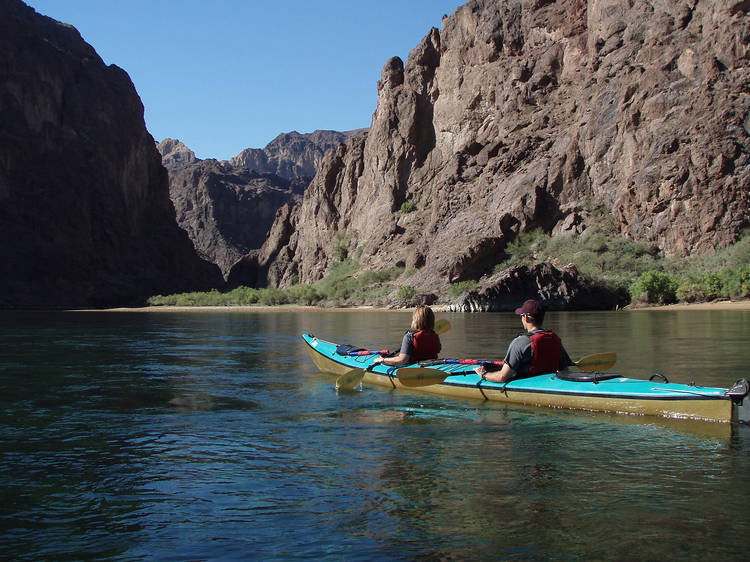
[228,207]
[85,214]
[227,211]
[558,289]
[523,115]
[175,155]
[292,155]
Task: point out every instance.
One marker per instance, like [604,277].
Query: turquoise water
[211,435]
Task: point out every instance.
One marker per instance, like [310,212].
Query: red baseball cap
[531,306]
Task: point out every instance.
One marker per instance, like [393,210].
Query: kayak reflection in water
[535,352]
[419,343]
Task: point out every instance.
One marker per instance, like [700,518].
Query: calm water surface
[211,435]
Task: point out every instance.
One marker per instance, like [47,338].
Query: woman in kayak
[419,343]
[536,352]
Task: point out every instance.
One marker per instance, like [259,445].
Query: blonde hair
[423,319]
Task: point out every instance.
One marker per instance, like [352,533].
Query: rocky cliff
[175,155]
[85,214]
[292,155]
[228,207]
[522,115]
[227,210]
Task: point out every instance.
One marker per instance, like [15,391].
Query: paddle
[352,378]
[424,376]
[597,361]
[442,326]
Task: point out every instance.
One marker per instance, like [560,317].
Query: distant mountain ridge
[227,210]
[289,155]
[293,154]
[228,207]
[175,155]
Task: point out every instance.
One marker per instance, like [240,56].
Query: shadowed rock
[85,214]
[559,289]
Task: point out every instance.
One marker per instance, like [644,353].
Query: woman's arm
[404,354]
[400,359]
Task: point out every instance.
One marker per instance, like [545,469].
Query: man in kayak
[419,343]
[536,352]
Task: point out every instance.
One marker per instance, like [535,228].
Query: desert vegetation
[649,276]
[346,284]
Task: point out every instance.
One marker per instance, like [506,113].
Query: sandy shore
[717,305]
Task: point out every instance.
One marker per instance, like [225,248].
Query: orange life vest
[426,345]
[546,350]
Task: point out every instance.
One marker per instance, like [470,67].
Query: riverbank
[716,305]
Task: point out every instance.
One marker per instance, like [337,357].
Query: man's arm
[498,376]
[514,356]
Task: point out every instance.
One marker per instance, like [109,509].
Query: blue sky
[225,75]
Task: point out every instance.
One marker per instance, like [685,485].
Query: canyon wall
[85,214]
[520,115]
[228,207]
[227,210]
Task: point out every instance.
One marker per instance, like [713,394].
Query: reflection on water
[212,435]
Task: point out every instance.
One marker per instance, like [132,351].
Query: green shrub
[341,252]
[273,297]
[461,287]
[654,287]
[406,292]
[341,248]
[690,290]
[712,285]
[408,207]
[303,294]
[737,282]
[526,248]
[243,296]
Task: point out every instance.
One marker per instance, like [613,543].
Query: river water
[211,435]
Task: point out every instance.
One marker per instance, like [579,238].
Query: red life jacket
[426,346]
[546,350]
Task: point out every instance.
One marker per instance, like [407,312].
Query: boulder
[558,289]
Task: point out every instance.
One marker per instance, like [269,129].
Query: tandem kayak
[604,392]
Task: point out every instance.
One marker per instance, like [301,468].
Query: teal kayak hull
[612,394]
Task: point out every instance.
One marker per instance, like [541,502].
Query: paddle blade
[442,326]
[350,379]
[597,361]
[419,376]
